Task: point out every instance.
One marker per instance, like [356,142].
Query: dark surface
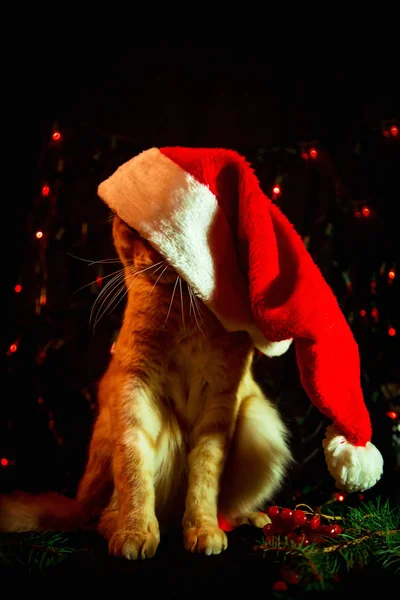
[173,572]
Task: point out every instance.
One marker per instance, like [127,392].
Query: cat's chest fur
[188,377]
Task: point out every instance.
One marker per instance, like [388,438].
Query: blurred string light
[391,131]
[276,191]
[47,193]
[365,211]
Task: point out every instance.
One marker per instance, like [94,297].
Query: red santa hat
[205,213]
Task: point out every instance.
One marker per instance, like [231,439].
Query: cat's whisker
[199,311]
[116,280]
[158,279]
[194,305]
[105,261]
[115,293]
[115,296]
[172,299]
[160,267]
[96,262]
[134,272]
[105,293]
[183,311]
[190,300]
[95,280]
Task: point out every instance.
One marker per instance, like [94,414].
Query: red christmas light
[366,211]
[374,313]
[56,136]
[277,190]
[392,274]
[392,415]
[394,130]
[304,155]
[45,191]
[39,234]
[313,153]
[391,331]
[13,348]
[363,312]
[4,462]
[386,133]
[43,299]
[339,497]
[99,279]
[18,288]
[357,214]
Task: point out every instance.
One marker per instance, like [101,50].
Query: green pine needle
[36,551]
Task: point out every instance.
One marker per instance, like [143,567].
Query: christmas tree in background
[341,199]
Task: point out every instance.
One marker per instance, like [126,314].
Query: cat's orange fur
[184,434]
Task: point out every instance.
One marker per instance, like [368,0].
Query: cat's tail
[22,512]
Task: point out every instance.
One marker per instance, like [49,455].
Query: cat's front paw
[134,545]
[209,539]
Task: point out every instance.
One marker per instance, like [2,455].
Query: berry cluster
[296,526]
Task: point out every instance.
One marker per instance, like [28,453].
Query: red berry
[279,586]
[268,530]
[273,512]
[313,523]
[302,540]
[335,530]
[286,518]
[299,518]
[286,514]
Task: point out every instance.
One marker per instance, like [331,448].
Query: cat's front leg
[136,428]
[209,447]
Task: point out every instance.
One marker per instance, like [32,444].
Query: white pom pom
[354,468]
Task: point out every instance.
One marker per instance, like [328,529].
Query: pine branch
[35,550]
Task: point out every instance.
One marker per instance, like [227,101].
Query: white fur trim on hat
[182,219]
[354,468]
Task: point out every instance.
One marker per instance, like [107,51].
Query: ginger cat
[184,435]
